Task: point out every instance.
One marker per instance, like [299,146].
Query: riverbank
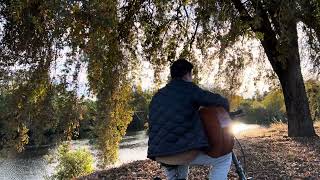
[269,153]
[32,163]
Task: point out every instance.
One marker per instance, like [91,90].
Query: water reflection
[32,165]
[133,147]
[28,165]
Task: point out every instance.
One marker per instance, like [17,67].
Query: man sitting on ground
[176,135]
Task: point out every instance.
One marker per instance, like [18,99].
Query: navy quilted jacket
[174,122]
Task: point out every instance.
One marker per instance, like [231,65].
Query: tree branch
[269,41]
[308,15]
[194,35]
[272,13]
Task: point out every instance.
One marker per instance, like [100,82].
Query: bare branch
[194,36]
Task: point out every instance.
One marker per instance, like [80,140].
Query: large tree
[35,35]
[277,21]
[214,23]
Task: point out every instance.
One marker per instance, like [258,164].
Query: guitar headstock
[236,114]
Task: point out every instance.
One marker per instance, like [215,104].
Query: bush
[72,163]
[313,91]
[266,110]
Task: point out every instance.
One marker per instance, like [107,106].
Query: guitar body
[217,124]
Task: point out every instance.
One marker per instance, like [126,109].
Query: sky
[249,85]
[252,72]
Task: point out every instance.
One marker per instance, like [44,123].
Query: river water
[32,165]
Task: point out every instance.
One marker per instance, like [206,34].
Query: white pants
[219,167]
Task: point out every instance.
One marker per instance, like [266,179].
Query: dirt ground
[269,154]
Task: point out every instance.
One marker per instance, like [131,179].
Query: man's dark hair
[179,68]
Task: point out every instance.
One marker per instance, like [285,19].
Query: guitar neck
[236,114]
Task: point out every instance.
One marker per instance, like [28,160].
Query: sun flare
[236,128]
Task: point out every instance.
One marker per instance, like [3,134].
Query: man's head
[181,69]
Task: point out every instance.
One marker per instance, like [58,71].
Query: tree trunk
[296,100]
[291,79]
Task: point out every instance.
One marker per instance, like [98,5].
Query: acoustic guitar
[217,124]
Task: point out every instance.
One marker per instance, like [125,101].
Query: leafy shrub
[313,91]
[72,163]
[267,110]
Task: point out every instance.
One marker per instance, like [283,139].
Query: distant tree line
[139,104]
[73,117]
[70,117]
[269,107]
[52,114]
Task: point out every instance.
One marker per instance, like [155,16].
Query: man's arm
[206,98]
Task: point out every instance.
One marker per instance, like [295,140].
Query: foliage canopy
[111,37]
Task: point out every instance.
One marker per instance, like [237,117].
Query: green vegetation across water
[82,113]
